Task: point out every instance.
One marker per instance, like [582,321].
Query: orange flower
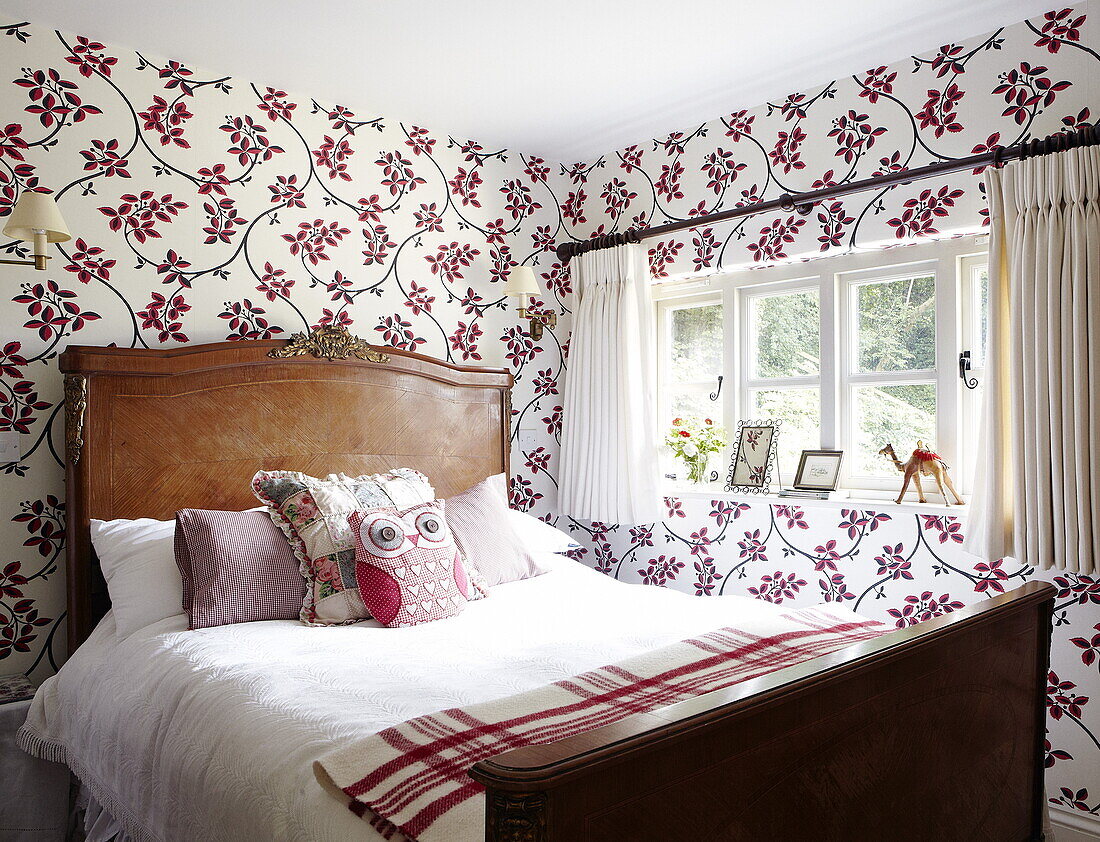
[676,422]
[685,434]
[708,422]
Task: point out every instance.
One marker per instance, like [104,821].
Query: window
[690,352]
[975,338]
[781,332]
[860,352]
[888,375]
[694,358]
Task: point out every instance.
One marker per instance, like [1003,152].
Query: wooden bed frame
[932,732]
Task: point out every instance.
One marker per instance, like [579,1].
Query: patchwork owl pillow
[313,513]
[407,565]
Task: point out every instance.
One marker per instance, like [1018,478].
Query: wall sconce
[522,283]
[37,219]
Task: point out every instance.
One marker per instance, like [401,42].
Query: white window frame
[952,261]
[698,294]
[970,267]
[748,381]
[939,377]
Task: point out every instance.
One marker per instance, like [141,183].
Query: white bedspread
[163,725]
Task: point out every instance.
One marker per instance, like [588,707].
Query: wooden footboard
[932,732]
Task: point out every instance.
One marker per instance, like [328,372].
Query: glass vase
[697,469]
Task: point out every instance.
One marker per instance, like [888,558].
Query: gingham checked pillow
[237,567]
[313,513]
[493,550]
[407,565]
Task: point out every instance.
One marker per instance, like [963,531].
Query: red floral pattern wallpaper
[206,207]
[1018,82]
[1022,81]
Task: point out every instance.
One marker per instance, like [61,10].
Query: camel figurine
[925,462]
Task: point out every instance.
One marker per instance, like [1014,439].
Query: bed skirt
[105,819]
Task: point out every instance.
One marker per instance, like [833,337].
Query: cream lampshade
[36,218]
[522,283]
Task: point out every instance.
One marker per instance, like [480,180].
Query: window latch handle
[966,365]
[714,395]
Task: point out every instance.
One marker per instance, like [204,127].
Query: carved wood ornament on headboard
[149,432]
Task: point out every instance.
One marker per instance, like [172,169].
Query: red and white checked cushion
[237,567]
[407,565]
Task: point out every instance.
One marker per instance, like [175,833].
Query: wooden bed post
[516,817]
[931,732]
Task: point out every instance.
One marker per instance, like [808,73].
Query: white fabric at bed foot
[34,794]
[98,824]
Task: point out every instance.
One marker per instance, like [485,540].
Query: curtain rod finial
[564,251]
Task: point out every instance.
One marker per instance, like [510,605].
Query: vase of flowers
[693,440]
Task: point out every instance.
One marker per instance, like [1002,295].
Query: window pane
[896,324]
[898,415]
[800,412]
[691,402]
[687,404]
[979,283]
[787,330]
[696,343]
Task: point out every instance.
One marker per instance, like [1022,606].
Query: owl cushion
[313,513]
[407,565]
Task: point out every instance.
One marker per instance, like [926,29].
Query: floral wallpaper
[1021,81]
[1018,82]
[206,207]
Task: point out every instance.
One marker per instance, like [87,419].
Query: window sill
[841,499]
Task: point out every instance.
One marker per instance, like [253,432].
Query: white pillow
[538,536]
[139,563]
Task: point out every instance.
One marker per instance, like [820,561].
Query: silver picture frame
[754,457]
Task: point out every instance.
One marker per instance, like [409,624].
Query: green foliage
[898,415]
[696,352]
[897,324]
[787,330]
[800,412]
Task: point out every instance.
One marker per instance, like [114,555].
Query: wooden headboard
[149,432]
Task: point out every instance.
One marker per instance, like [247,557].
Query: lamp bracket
[538,321]
[39,261]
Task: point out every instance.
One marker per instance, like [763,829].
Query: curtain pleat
[1038,490]
[608,450]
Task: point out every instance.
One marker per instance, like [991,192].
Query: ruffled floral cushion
[313,513]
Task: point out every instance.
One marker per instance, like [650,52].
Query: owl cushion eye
[384,535]
[432,528]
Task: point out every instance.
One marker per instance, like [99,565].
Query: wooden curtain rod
[803,202]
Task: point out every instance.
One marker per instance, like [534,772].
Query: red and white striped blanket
[413,777]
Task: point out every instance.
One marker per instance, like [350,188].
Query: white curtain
[1038,492]
[608,449]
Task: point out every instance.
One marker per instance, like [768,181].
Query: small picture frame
[751,468]
[818,470]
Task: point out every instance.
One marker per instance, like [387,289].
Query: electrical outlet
[10,447]
[528,440]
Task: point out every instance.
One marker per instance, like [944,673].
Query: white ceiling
[565,79]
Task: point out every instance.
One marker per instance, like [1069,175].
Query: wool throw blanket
[412,778]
